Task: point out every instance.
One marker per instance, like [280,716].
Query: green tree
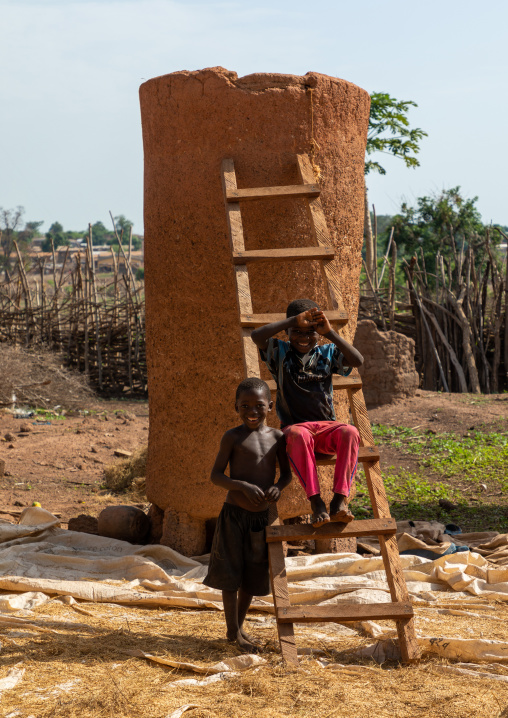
[56,234]
[389,133]
[136,242]
[123,227]
[56,228]
[30,230]
[100,235]
[445,223]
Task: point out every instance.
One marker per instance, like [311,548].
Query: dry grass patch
[128,474]
[84,669]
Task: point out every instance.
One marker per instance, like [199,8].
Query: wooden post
[374,244]
[429,333]
[88,260]
[96,311]
[374,292]
[387,254]
[391,290]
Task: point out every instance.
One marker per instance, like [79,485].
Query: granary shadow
[76,642]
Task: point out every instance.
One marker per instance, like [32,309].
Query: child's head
[253,402]
[301,339]
[297,306]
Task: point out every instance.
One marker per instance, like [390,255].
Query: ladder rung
[284,255]
[366,454]
[339,382]
[345,612]
[258,320]
[365,527]
[297,190]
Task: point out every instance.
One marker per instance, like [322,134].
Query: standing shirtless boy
[239,555]
[303,371]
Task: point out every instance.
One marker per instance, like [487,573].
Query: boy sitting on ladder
[303,372]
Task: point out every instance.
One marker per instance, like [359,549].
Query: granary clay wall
[388,372]
[191,122]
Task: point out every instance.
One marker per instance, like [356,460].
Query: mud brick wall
[191,122]
[388,372]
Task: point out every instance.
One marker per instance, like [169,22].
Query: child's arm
[261,335]
[273,493]
[351,355]
[218,477]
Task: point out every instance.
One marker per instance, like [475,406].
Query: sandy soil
[61,464]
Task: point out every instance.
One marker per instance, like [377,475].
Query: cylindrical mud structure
[191,122]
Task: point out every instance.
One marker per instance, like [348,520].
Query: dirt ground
[451,413]
[440,413]
[78,659]
[61,464]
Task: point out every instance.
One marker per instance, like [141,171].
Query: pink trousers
[323,437]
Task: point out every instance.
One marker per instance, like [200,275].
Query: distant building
[102,257]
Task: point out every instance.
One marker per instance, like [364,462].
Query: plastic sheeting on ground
[39,558]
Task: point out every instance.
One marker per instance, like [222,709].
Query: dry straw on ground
[37,379]
[84,669]
[128,474]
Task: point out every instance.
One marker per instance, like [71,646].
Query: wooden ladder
[382,526]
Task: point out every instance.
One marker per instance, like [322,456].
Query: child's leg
[342,440]
[300,450]
[236,605]
[244,601]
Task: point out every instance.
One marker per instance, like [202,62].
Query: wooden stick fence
[97,322]
[457,316]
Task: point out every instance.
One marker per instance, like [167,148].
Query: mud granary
[191,122]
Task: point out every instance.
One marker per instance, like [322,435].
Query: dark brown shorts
[239,555]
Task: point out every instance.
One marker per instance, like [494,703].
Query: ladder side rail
[375,483]
[320,234]
[389,550]
[280,592]
[243,294]
[409,649]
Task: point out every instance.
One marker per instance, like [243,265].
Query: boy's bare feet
[339,509]
[249,638]
[319,513]
[245,643]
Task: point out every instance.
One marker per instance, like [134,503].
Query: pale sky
[70,72]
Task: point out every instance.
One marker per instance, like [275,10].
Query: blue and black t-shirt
[304,383]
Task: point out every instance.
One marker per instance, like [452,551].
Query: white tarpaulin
[38,557]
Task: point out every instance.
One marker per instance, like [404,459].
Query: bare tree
[10,223]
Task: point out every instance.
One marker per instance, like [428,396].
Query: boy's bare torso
[253,459]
